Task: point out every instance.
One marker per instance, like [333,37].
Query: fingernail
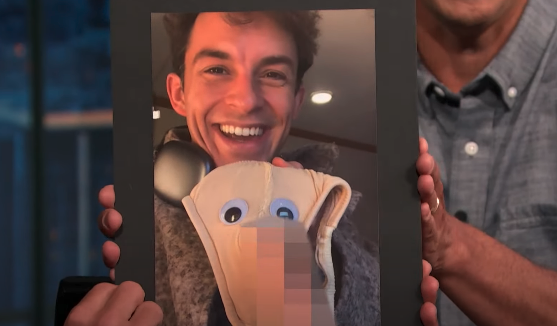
[103,220]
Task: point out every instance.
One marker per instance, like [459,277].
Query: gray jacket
[186,288]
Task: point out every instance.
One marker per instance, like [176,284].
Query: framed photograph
[251,113]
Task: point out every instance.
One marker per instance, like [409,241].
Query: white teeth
[238,131]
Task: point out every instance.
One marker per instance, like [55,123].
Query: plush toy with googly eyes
[267,232]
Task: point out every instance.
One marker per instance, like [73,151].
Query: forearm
[495,286]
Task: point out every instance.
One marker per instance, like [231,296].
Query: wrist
[456,256]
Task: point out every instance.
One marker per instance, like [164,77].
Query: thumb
[281,163]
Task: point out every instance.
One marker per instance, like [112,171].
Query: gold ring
[436,207]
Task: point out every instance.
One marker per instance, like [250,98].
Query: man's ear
[299,98]
[175,93]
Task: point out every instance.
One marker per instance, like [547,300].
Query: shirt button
[471,148]
[512,92]
[439,91]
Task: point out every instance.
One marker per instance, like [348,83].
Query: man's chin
[469,14]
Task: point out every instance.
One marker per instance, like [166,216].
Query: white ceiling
[345,65]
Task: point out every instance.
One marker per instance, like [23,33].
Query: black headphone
[178,168]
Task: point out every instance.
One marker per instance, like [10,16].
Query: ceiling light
[321,97]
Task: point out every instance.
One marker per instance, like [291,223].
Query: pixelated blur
[286,276]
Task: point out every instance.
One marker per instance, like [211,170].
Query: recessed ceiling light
[321,97]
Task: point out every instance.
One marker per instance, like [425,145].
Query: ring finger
[428,195]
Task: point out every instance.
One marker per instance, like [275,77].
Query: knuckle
[428,238]
[77,317]
[153,309]
[108,319]
[429,233]
[104,287]
[422,179]
[133,288]
[100,289]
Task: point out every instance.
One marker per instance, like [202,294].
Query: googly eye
[233,211]
[284,208]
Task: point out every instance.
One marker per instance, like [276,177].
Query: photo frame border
[397,139]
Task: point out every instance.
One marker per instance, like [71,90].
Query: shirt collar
[516,63]
[519,59]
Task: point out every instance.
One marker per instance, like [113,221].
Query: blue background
[76,160]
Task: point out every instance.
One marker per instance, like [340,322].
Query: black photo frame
[397,139]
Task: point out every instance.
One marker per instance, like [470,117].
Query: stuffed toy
[267,232]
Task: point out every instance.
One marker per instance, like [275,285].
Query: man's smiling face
[239,91]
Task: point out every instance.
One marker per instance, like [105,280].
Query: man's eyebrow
[211,53]
[267,61]
[278,60]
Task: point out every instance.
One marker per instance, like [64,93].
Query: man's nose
[244,94]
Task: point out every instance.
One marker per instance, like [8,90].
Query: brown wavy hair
[302,25]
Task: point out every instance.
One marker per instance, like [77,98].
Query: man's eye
[216,71]
[275,75]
